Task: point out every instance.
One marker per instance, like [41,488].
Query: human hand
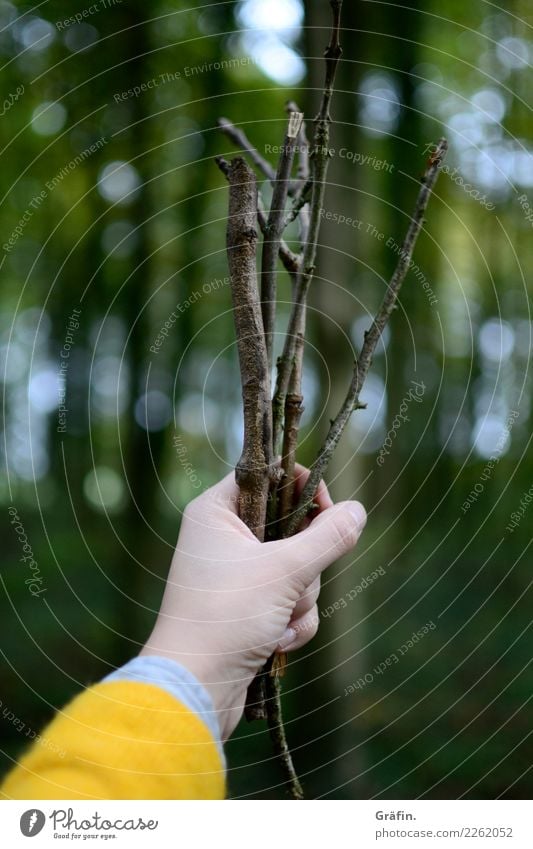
[231,601]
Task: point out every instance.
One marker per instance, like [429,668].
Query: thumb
[331,535]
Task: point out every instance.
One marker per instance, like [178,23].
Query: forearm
[148,731]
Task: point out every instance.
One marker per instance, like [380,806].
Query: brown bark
[255,468]
[320,158]
[293,413]
[274,228]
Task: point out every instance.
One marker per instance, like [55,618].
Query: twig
[299,203]
[302,173]
[287,402]
[289,259]
[292,414]
[277,734]
[371,339]
[273,230]
[279,510]
[300,208]
[294,400]
[320,156]
[255,469]
[243,143]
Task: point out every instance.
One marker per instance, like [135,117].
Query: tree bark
[255,468]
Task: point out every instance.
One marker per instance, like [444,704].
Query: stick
[258,704]
[292,415]
[277,735]
[302,173]
[289,259]
[321,156]
[273,230]
[294,400]
[255,707]
[287,402]
[300,209]
[240,140]
[255,469]
[371,338]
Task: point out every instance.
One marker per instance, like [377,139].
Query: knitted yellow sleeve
[121,740]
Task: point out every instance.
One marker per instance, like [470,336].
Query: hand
[231,601]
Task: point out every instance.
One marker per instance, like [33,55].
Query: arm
[153,729]
[147,731]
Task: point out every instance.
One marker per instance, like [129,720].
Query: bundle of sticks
[267,501]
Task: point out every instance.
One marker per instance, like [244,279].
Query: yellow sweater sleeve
[121,740]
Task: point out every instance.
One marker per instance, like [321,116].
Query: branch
[299,203]
[241,140]
[294,401]
[289,259]
[320,156]
[292,415]
[277,734]
[287,402]
[255,469]
[302,173]
[303,183]
[371,339]
[274,229]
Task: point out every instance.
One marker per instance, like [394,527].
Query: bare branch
[255,469]
[320,158]
[302,173]
[371,339]
[274,228]
[292,415]
[303,184]
[290,260]
[277,735]
[287,400]
[243,143]
[241,140]
[224,166]
[300,203]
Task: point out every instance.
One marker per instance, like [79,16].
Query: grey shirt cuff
[176,680]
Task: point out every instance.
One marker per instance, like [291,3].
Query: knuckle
[191,509]
[312,628]
[344,532]
[313,593]
[307,628]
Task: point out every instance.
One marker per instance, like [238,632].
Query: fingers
[300,631]
[317,546]
[216,510]
[331,535]
[307,600]
[224,494]
[322,497]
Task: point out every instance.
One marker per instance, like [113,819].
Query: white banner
[266,825]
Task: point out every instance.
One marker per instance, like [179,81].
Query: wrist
[227,693]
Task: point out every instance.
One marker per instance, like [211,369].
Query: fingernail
[287,639]
[359,514]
